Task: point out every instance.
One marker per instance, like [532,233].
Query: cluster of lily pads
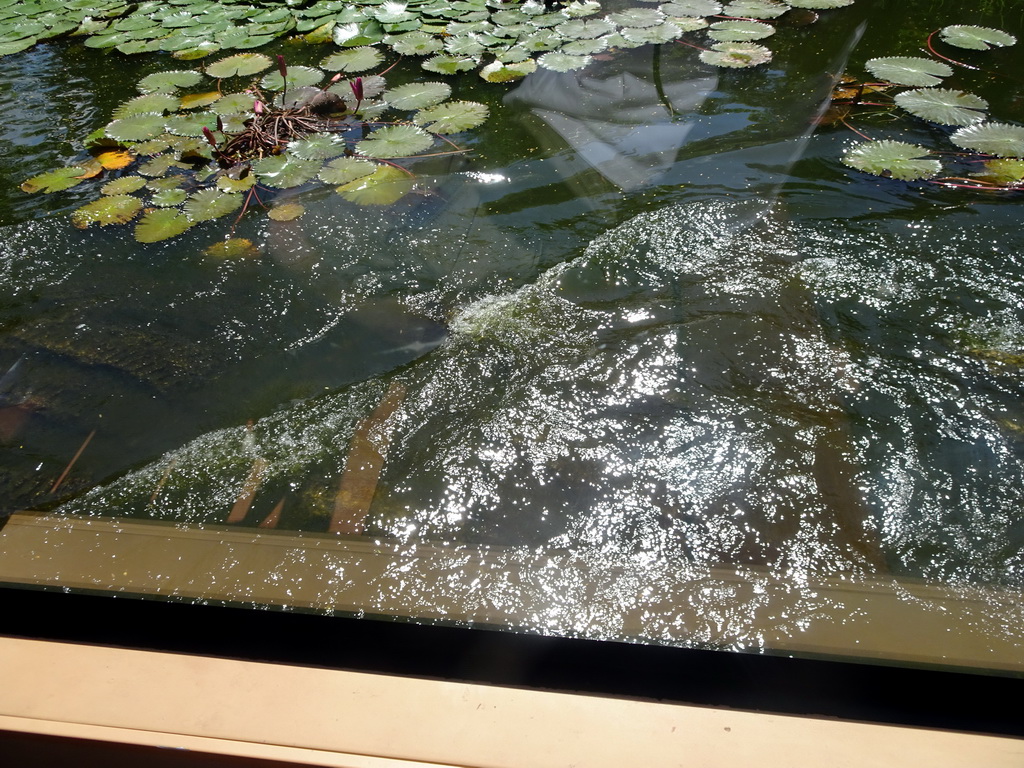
[917,80]
[505,39]
[173,159]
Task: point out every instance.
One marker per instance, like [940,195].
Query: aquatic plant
[176,160]
[503,40]
[997,148]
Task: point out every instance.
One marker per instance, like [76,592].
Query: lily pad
[557,61]
[149,103]
[232,186]
[497,72]
[194,100]
[238,65]
[452,116]
[637,17]
[233,104]
[123,185]
[976,38]
[162,224]
[114,209]
[346,169]
[736,55]
[909,70]
[1007,171]
[233,248]
[999,139]
[168,198]
[136,127]
[415,44]
[417,95]
[578,29]
[353,60]
[448,65]
[115,159]
[738,31]
[191,125]
[943,106]
[892,159]
[318,146]
[692,8]
[168,82]
[54,181]
[755,9]
[395,141]
[283,171]
[384,186]
[286,211]
[298,77]
[662,33]
[819,5]
[209,204]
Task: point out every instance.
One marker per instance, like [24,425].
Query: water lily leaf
[452,116]
[999,139]
[943,106]
[579,29]
[161,224]
[563,62]
[373,86]
[579,8]
[284,171]
[198,51]
[233,248]
[358,33]
[346,169]
[463,45]
[123,186]
[168,198]
[108,40]
[738,31]
[233,104]
[286,211]
[395,141]
[167,82]
[662,33]
[318,146]
[755,9]
[417,95]
[637,17]
[691,8]
[298,77]
[819,5]
[191,125]
[976,38]
[415,44]
[497,72]
[209,204]
[232,186]
[238,65]
[736,55]
[193,100]
[685,23]
[353,60]
[136,127]
[908,70]
[892,159]
[1009,172]
[513,55]
[384,186]
[148,103]
[159,165]
[54,181]
[90,168]
[115,159]
[115,209]
[322,34]
[16,46]
[448,65]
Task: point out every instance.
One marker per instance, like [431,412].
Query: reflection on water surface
[652,366]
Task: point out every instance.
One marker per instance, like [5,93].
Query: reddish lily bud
[209,136]
[281,66]
[357,88]
[257,107]
[336,78]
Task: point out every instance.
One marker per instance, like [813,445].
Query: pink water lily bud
[357,88]
[257,107]
[281,66]
[209,136]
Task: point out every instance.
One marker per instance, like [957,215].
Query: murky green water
[652,324]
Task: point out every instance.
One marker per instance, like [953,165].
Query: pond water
[650,330]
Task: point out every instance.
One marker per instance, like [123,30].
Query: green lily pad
[908,70]
[346,169]
[892,159]
[136,127]
[191,125]
[415,44]
[999,139]
[199,51]
[1007,171]
[195,100]
[464,45]
[557,61]
[152,146]
[167,82]
[123,186]
[115,209]
[168,198]
[695,8]
[637,17]
[943,106]
[819,5]
[233,186]
[417,95]
[448,65]
[358,33]
[55,181]
[298,77]
[162,224]
[384,186]
[662,33]
[209,204]
[452,116]
[580,8]
[284,171]
[353,60]
[318,146]
[738,31]
[233,104]
[286,211]
[395,141]
[322,34]
[580,29]
[685,23]
[148,103]
[238,65]
[16,46]
[755,9]
[233,248]
[159,165]
[736,55]
[497,72]
[976,38]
